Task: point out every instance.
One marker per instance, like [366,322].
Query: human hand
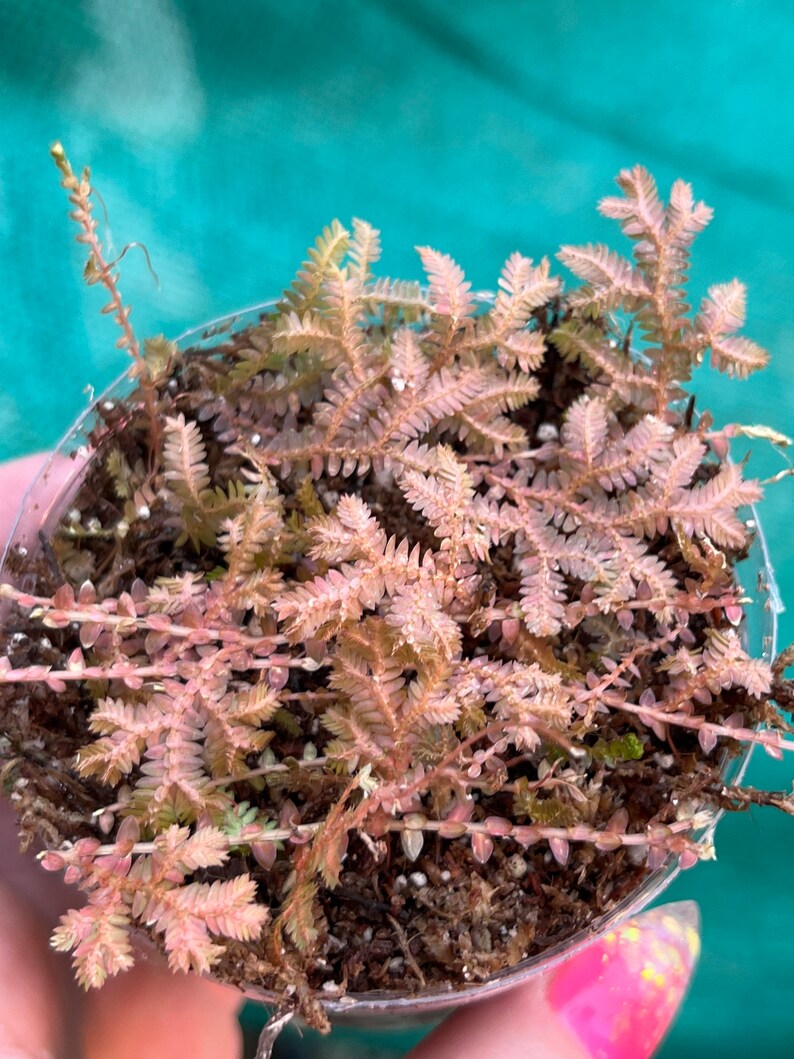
[613,1000]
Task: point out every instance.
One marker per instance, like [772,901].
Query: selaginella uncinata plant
[402,605]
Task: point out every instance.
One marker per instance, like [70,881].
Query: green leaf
[548,811]
[159,353]
[627,747]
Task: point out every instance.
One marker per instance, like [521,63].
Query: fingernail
[23,1053]
[619,996]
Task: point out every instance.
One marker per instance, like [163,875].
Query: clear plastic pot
[48,498]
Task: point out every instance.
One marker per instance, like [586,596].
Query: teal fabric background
[225,138]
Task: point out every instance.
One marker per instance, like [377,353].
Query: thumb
[154,1012]
[616,999]
[15,477]
[30,1003]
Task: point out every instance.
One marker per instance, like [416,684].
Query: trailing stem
[98,270]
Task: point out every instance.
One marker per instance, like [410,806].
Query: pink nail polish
[620,995]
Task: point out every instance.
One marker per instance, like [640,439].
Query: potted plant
[386,642]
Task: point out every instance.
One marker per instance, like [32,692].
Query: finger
[30,1024]
[614,1000]
[24,515]
[151,1011]
[15,477]
[43,891]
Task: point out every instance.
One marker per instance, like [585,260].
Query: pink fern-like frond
[449,292]
[152,889]
[685,217]
[98,936]
[364,250]
[584,433]
[722,313]
[185,459]
[543,594]
[445,497]
[606,271]
[523,287]
[422,621]
[410,366]
[641,211]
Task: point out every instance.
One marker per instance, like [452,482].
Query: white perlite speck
[547,432]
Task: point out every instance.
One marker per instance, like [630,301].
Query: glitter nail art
[620,995]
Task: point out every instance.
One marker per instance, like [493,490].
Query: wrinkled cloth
[224,138]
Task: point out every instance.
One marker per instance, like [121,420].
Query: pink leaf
[452,829]
[608,841]
[90,633]
[526,835]
[461,810]
[106,822]
[289,816]
[139,590]
[87,594]
[265,854]
[618,822]
[63,598]
[688,858]
[657,855]
[52,861]
[126,606]
[300,838]
[707,739]
[481,847]
[412,843]
[129,832]
[561,849]
[498,825]
[155,642]
[659,833]
[277,677]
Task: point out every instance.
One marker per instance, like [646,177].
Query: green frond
[306,292]
[295,333]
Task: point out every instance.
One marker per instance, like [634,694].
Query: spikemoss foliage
[399,577]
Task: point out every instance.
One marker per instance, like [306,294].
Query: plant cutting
[393,637]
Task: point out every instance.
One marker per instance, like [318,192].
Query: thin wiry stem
[98,270]
[526,834]
[684,720]
[43,607]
